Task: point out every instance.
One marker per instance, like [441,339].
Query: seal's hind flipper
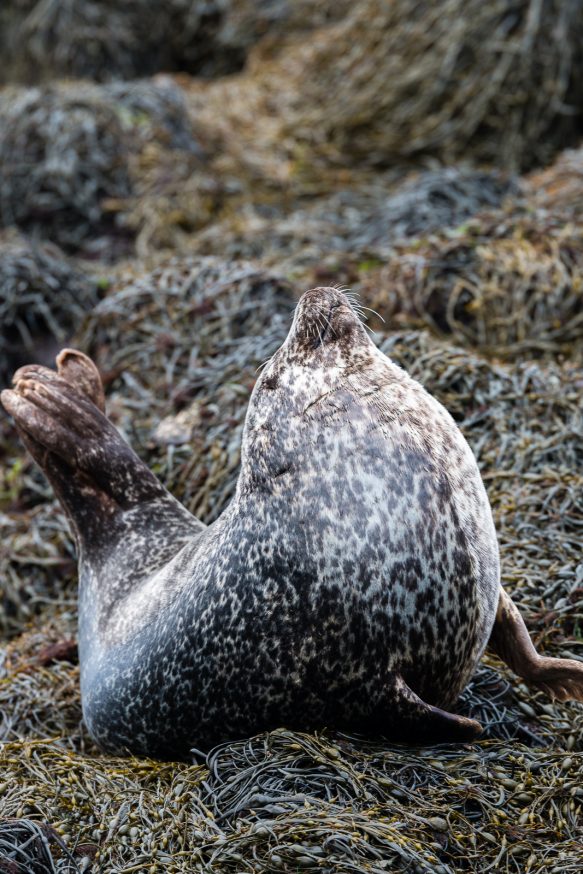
[94,472]
[73,367]
[88,508]
[411,720]
[510,640]
[62,419]
[79,371]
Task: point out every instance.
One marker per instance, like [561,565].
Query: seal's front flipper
[559,678]
[410,719]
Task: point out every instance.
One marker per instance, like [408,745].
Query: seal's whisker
[359,312]
[265,363]
[372,311]
[321,327]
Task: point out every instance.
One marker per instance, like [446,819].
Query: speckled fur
[357,561]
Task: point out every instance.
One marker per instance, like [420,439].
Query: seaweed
[73,156]
[508,283]
[43,298]
[406,83]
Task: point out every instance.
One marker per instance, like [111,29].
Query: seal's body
[353,580]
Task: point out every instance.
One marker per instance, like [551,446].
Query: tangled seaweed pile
[367,219]
[510,284]
[290,801]
[396,83]
[104,40]
[479,276]
[73,156]
[496,81]
[43,297]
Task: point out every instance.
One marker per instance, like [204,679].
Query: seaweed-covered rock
[362,221]
[510,283]
[559,188]
[399,82]
[43,298]
[72,155]
[499,82]
[105,39]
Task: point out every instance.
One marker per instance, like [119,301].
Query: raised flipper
[79,371]
[559,678]
[411,720]
[95,474]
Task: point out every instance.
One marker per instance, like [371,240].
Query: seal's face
[326,330]
[305,403]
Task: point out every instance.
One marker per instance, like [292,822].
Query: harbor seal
[353,581]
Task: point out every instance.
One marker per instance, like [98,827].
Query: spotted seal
[352,581]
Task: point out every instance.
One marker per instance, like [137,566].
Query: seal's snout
[325,319]
[330,298]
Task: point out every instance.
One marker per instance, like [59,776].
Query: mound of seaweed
[196,332]
[73,155]
[104,40]
[43,297]
[498,81]
[509,283]
[393,83]
[361,222]
[559,188]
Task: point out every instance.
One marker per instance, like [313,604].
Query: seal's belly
[298,651]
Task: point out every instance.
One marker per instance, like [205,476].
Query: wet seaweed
[43,299]
[508,283]
[361,221]
[73,157]
[26,847]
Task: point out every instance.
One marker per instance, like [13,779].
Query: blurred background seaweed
[172,177]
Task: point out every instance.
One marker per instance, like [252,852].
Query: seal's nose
[325,320]
[323,298]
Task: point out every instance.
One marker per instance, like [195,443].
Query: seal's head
[326,330]
[318,381]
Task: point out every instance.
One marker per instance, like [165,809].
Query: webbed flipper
[510,641]
[94,472]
